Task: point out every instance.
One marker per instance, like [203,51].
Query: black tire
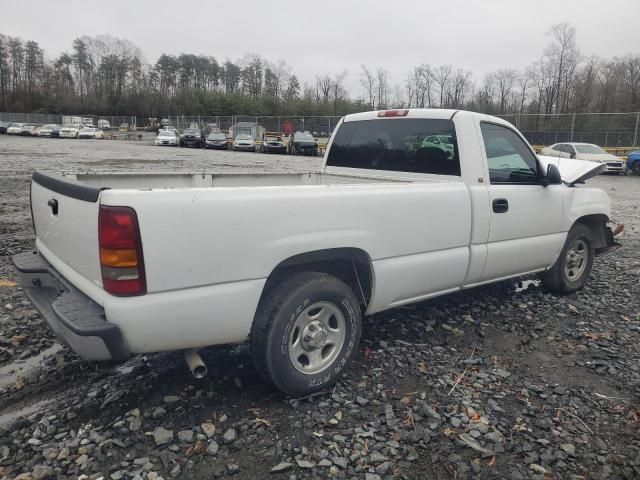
[274,326]
[559,277]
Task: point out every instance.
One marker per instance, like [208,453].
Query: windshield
[192,132]
[17,125]
[590,149]
[49,126]
[244,137]
[272,139]
[167,133]
[304,136]
[70,125]
[217,136]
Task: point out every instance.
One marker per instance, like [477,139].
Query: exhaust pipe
[195,363]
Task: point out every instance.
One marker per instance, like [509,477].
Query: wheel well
[351,265]
[598,225]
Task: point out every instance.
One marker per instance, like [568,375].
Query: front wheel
[305,332]
[572,268]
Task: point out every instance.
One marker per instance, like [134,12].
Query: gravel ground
[506,381]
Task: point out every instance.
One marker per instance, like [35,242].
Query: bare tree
[382,80]
[323,87]
[338,92]
[459,88]
[441,76]
[369,83]
[505,80]
[630,76]
[524,83]
[563,54]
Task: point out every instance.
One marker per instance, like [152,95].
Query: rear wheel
[305,332]
[573,266]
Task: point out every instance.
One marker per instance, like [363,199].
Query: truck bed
[145,181]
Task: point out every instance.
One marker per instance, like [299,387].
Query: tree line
[110,76]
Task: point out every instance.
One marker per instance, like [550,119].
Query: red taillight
[121,259]
[393,113]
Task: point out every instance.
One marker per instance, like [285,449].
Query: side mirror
[572,155]
[553,176]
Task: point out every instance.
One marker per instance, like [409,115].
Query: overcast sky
[333,36]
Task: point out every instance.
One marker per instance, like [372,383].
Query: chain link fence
[604,129]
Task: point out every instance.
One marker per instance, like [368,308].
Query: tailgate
[65,215]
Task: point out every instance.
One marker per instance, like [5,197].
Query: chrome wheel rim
[317,337]
[576,260]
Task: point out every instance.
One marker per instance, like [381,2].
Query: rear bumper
[76,320]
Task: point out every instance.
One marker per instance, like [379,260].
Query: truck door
[525,216]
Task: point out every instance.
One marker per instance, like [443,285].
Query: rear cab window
[417,145]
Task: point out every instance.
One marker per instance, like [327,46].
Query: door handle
[53,203]
[500,205]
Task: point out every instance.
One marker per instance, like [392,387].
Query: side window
[557,147]
[510,159]
[397,144]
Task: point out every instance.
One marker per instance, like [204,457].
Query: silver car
[585,151]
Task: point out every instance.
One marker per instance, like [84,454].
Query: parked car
[443,142]
[55,131]
[585,151]
[633,162]
[28,130]
[292,262]
[47,130]
[173,129]
[70,130]
[244,142]
[15,128]
[303,143]
[273,143]
[217,140]
[192,137]
[166,137]
[90,132]
[123,128]
[104,125]
[4,126]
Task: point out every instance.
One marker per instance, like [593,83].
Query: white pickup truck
[128,263]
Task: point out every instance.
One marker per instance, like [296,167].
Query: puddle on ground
[524,284]
[7,418]
[20,368]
